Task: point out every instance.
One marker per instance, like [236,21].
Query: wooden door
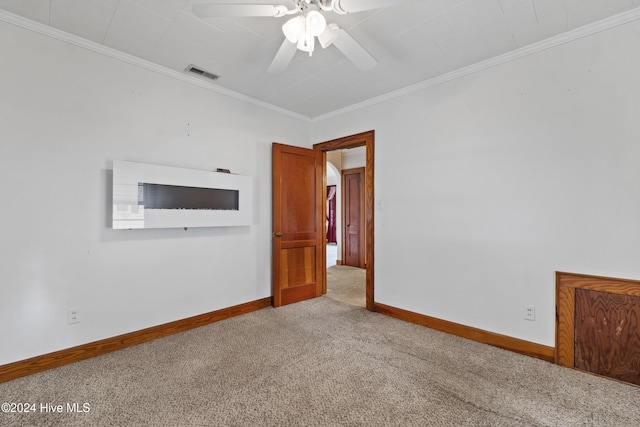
[607,341]
[298,224]
[353,222]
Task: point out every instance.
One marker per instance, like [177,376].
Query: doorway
[366,140]
[334,208]
[345,239]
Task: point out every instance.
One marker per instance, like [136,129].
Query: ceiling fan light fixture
[303,29]
[315,23]
[294,29]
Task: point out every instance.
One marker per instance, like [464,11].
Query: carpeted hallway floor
[347,284]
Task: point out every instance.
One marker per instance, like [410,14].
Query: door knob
[278,234]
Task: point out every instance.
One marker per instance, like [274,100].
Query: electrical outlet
[73,316]
[529,312]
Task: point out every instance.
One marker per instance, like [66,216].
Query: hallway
[345,284]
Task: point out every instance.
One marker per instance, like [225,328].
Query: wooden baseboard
[508,343]
[37,364]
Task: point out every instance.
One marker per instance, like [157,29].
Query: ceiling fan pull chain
[310,43]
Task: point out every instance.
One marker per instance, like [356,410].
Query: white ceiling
[413,41]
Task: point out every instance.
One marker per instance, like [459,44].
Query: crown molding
[578,33]
[65,37]
[575,34]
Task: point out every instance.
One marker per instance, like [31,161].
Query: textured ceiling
[413,41]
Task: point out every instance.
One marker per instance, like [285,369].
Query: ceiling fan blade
[283,57]
[351,6]
[208,10]
[354,51]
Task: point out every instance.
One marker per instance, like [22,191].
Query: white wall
[354,158]
[492,182]
[66,114]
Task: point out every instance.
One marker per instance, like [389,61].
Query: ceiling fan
[307,23]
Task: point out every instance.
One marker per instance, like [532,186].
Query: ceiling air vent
[202,73]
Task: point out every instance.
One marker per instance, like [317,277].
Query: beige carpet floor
[321,362]
[347,284]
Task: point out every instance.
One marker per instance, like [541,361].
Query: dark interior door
[353,204]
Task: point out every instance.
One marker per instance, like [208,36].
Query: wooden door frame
[362,232]
[365,139]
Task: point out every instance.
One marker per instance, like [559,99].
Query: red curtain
[331,214]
